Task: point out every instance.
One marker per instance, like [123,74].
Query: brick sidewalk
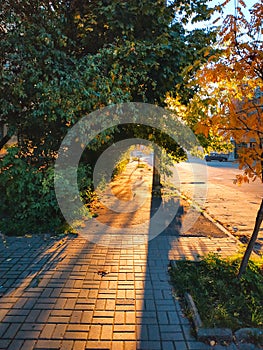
[54,295]
[70,293]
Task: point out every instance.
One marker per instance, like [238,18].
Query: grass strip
[221,298]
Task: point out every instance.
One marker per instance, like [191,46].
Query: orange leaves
[202,129]
[256,16]
[229,101]
[207,52]
[241,179]
[235,83]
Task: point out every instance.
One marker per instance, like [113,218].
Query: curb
[207,216]
[206,334]
[239,338]
[220,226]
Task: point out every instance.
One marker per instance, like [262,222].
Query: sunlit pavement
[234,206]
[70,293]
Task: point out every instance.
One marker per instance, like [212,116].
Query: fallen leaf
[102,273]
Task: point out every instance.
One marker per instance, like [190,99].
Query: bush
[28,202]
[121,164]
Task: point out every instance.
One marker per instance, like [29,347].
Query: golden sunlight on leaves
[229,99]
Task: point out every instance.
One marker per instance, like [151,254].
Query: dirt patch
[205,228]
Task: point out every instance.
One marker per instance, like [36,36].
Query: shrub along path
[69,292]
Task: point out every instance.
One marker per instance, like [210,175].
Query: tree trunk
[156,169]
[252,241]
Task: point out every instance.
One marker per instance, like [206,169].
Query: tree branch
[4,140]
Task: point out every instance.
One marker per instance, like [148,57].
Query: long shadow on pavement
[74,294]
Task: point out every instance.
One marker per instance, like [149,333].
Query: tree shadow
[69,291]
[25,259]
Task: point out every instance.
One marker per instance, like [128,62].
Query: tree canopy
[61,60]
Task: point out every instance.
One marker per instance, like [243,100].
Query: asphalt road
[211,185]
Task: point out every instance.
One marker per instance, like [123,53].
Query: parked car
[216,156]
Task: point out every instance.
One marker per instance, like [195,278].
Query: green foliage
[29,204]
[222,299]
[193,10]
[61,61]
[85,184]
[121,164]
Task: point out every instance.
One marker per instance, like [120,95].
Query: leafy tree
[229,102]
[62,60]
[55,57]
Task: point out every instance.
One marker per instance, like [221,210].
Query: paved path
[70,293]
[233,205]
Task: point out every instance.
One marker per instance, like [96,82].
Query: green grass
[221,298]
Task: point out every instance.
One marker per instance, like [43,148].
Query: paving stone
[124,336]
[146,345]
[106,332]
[173,336]
[14,319]
[162,318]
[87,317]
[67,345]
[33,316]
[3,328]
[101,345]
[15,344]
[130,345]
[94,332]
[180,345]
[48,344]
[194,345]
[11,331]
[5,343]
[32,326]
[168,345]
[118,345]
[43,316]
[59,331]
[28,345]
[61,313]
[78,327]
[32,334]
[119,317]
[47,331]
[76,335]
[124,328]
[76,316]
[153,332]
[16,312]
[59,319]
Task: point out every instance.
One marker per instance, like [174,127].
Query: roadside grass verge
[221,298]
